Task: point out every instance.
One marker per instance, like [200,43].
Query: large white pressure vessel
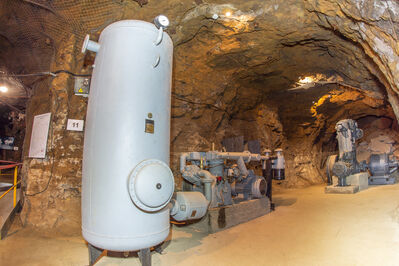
[127,182]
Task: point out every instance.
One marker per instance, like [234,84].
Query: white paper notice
[38,140]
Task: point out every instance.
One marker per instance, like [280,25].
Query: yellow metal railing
[14,186]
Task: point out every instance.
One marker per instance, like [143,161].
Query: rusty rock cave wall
[52,185]
[226,83]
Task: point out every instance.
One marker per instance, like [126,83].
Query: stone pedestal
[218,219]
[341,190]
[360,179]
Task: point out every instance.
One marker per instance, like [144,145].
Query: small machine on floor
[345,174]
[229,185]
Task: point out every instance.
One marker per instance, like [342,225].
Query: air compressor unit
[345,164]
[127,185]
[222,176]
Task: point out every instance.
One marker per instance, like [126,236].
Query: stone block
[218,219]
[360,179]
[341,190]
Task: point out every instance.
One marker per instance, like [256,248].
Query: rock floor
[307,228]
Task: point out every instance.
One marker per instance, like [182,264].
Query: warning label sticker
[149,126]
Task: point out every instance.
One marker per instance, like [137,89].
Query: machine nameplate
[149,126]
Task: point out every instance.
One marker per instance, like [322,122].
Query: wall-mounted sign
[38,140]
[75,125]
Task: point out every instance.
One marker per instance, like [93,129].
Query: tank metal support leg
[159,249]
[145,257]
[94,254]
[267,174]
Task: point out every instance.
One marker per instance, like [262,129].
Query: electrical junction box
[82,86]
[7,143]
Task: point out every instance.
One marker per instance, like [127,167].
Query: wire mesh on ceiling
[31,30]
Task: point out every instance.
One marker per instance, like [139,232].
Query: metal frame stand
[94,254]
[267,174]
[145,257]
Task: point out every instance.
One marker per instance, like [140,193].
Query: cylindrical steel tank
[279,165]
[127,182]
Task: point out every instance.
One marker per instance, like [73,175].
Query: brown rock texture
[233,76]
[52,185]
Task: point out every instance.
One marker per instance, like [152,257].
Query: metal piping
[246,155]
[90,45]
[207,181]
[183,158]
[242,167]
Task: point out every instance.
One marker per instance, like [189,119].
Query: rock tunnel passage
[282,72]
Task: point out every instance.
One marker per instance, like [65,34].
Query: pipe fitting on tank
[161,22]
[90,45]
[151,185]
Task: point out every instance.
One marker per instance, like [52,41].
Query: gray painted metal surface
[347,164]
[128,122]
[382,168]
[189,205]
[227,179]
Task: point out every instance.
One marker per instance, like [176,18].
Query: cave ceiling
[227,62]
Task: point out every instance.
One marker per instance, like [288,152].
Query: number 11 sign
[75,125]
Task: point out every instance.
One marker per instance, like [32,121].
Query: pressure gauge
[161,21]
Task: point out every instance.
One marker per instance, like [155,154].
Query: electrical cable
[71,73]
[47,73]
[210,105]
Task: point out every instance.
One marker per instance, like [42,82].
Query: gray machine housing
[347,164]
[223,176]
[381,166]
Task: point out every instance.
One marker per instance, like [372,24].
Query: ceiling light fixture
[228,14]
[306,80]
[3,89]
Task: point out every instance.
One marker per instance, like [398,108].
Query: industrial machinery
[381,166]
[127,184]
[345,163]
[221,176]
